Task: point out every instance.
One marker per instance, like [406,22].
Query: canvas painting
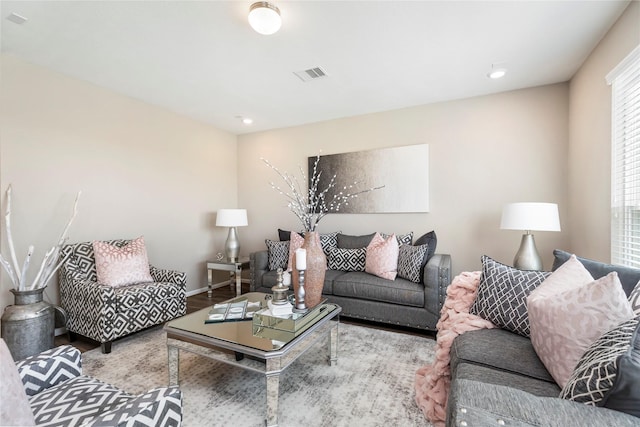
[403,171]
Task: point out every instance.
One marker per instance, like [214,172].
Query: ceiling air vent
[311,74]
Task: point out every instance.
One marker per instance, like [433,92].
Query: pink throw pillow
[566,322]
[123,266]
[296,241]
[382,257]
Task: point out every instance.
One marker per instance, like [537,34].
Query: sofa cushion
[430,239]
[628,276]
[634,299]
[488,375]
[365,286]
[278,254]
[501,350]
[411,262]
[122,266]
[346,241]
[402,239]
[347,259]
[596,373]
[382,257]
[575,318]
[502,295]
[474,403]
[128,297]
[85,398]
[15,409]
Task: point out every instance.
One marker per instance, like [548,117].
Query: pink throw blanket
[433,381]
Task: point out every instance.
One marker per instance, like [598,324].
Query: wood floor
[200,301]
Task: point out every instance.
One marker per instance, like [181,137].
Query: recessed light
[247,120]
[17,19]
[498,73]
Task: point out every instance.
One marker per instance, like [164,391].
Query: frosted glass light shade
[232,218]
[530,217]
[264,18]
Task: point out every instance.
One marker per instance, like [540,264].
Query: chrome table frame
[270,363]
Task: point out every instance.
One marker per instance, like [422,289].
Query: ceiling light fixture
[496,73]
[264,18]
[247,120]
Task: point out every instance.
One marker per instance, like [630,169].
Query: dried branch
[49,264]
[310,204]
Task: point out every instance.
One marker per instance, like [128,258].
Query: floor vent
[311,74]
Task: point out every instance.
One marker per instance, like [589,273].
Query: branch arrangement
[312,204]
[50,263]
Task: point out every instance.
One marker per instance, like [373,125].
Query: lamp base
[232,245]
[527,257]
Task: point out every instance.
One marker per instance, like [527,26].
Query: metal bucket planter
[28,326]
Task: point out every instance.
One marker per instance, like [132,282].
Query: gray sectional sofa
[498,379]
[364,296]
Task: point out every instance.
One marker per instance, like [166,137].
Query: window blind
[625,168]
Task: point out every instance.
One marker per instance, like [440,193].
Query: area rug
[372,383]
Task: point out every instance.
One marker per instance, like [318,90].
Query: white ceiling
[201,58]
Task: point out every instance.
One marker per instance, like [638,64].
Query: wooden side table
[233,267]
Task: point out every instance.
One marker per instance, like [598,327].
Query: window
[625,156]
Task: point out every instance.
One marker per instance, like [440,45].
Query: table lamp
[232,218]
[529,217]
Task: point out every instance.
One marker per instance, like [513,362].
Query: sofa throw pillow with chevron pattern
[634,299]
[411,261]
[347,259]
[122,266]
[277,254]
[605,374]
[502,295]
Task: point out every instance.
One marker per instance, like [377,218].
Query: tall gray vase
[28,326]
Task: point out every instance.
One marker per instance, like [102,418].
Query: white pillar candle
[301,259]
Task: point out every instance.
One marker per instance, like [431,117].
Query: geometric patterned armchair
[49,389]
[105,313]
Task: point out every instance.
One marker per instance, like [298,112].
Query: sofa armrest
[474,403]
[258,265]
[162,406]
[49,368]
[437,277]
[168,276]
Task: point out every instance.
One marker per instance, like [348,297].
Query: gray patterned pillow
[405,239]
[595,379]
[634,299]
[329,241]
[411,260]
[502,295]
[347,259]
[278,254]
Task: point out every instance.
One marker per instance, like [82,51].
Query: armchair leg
[72,336]
[106,347]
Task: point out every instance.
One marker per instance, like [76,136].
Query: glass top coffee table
[231,341]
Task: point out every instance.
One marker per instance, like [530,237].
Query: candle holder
[300,305]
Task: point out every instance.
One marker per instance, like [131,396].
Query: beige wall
[484,152]
[590,139]
[142,171]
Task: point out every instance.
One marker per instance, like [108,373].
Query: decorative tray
[285,328]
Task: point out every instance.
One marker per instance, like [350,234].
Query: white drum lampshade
[232,218]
